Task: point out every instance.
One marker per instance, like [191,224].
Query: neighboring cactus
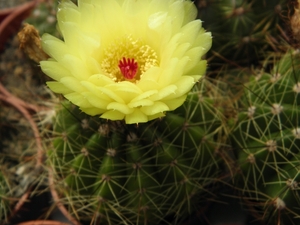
[43,17]
[114,173]
[243,30]
[267,141]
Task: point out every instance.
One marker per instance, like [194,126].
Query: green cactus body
[43,18]
[285,186]
[241,29]
[114,173]
[267,140]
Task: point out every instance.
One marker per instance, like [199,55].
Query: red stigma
[128,68]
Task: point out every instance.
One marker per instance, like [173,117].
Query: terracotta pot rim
[43,222]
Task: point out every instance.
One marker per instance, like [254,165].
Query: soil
[24,112]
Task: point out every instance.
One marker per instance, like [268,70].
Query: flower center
[127,59]
[128,68]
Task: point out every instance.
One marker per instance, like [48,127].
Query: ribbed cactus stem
[142,174]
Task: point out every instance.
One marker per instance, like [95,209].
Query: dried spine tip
[64,136]
[292,184]
[275,77]
[251,111]
[84,151]
[279,203]
[296,88]
[173,163]
[84,124]
[104,130]
[251,158]
[239,11]
[136,166]
[132,137]
[271,145]
[278,9]
[276,109]
[296,132]
[105,177]
[111,152]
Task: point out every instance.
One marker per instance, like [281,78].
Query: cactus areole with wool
[126,59]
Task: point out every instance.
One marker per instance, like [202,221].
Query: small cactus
[242,30]
[267,140]
[114,173]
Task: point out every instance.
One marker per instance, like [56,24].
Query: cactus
[114,173]
[243,30]
[267,140]
[43,17]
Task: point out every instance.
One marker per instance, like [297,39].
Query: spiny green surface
[242,29]
[267,141]
[148,173]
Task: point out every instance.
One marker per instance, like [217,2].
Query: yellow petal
[78,99]
[199,69]
[93,111]
[94,89]
[100,80]
[143,102]
[175,103]
[190,11]
[155,116]
[204,40]
[111,94]
[164,92]
[76,66]
[58,87]
[95,101]
[194,55]
[190,32]
[72,84]
[174,71]
[157,19]
[149,79]
[136,117]
[54,70]
[157,107]
[144,95]
[184,85]
[54,47]
[124,86]
[181,50]
[113,115]
[123,108]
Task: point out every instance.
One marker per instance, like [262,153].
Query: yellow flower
[126,59]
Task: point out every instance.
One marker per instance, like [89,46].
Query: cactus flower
[126,59]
